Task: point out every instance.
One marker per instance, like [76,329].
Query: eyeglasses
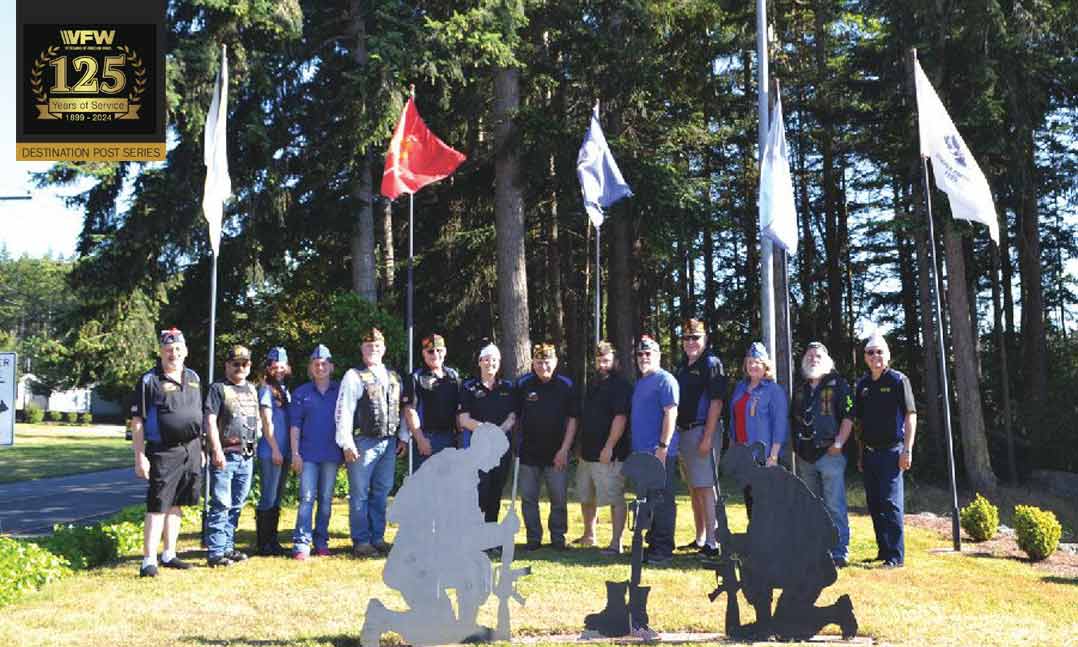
[239,364]
[874,351]
[643,353]
[433,351]
[690,338]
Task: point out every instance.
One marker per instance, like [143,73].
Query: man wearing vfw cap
[166,430]
[233,427]
[431,399]
[367,421]
[653,429]
[883,402]
[604,446]
[702,381]
[548,411]
[315,454]
[822,403]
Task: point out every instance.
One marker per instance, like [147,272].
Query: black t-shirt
[605,400]
[488,405]
[700,383]
[236,408]
[544,409]
[881,405]
[171,411]
[436,399]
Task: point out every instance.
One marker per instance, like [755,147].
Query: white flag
[778,219]
[600,179]
[218,185]
[956,172]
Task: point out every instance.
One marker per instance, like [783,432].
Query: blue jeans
[316,482]
[228,492]
[826,478]
[369,480]
[439,440]
[885,497]
[274,478]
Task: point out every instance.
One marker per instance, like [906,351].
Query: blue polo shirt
[280,421]
[171,411]
[881,405]
[313,413]
[652,395]
[700,383]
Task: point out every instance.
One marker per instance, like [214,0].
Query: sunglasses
[690,337]
[644,353]
[874,351]
[239,363]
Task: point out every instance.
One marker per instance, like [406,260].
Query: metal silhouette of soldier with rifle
[769,556]
[440,546]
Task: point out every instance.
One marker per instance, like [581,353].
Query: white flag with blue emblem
[957,173]
[600,179]
[778,219]
[218,185]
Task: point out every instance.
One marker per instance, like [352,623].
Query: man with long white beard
[822,424]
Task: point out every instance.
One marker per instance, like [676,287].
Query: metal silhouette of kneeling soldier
[440,545]
[768,559]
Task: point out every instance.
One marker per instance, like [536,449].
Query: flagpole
[410,322]
[598,292]
[767,277]
[209,375]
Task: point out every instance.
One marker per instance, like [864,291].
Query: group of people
[374,415]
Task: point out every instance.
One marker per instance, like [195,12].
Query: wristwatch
[663,445]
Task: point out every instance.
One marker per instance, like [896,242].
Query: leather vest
[377,412]
[816,413]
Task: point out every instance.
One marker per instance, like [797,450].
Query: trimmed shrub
[89,546]
[86,418]
[25,566]
[1038,531]
[980,519]
[54,416]
[34,415]
[71,417]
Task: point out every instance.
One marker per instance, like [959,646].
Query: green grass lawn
[939,598]
[42,451]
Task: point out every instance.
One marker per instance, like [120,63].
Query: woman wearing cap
[759,409]
[315,454]
[273,454]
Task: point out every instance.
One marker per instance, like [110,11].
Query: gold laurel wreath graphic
[140,72]
[38,69]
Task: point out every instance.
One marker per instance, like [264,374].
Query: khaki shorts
[600,484]
[697,469]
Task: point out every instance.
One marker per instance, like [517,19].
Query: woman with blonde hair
[759,410]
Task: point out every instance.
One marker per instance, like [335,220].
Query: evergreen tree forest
[503,248]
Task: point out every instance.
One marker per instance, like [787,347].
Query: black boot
[261,532]
[273,547]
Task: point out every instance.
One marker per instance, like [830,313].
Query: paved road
[32,507]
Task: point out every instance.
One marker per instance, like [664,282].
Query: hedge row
[35,415]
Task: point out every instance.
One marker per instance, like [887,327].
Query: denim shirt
[767,413]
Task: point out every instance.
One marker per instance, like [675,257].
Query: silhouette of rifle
[726,566]
[507,576]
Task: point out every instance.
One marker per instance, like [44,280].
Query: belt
[692,426]
[883,449]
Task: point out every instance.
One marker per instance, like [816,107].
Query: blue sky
[41,225]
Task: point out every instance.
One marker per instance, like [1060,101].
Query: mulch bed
[1062,563]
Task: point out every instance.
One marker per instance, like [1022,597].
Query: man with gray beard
[822,424]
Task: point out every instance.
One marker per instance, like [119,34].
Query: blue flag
[600,180]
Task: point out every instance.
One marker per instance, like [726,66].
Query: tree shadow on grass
[336,641]
[1056,579]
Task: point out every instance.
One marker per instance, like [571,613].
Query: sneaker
[709,551]
[611,551]
[236,556]
[531,546]
[218,561]
[382,547]
[584,541]
[300,555]
[645,634]
[321,551]
[364,550]
[148,570]
[692,545]
[177,563]
[892,563]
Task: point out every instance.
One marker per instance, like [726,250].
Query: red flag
[416,157]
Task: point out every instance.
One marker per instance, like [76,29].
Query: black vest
[377,412]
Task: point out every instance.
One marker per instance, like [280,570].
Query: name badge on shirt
[480,393]
[752,407]
[169,387]
[426,382]
[885,389]
[533,397]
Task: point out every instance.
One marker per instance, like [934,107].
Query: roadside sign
[7,398]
